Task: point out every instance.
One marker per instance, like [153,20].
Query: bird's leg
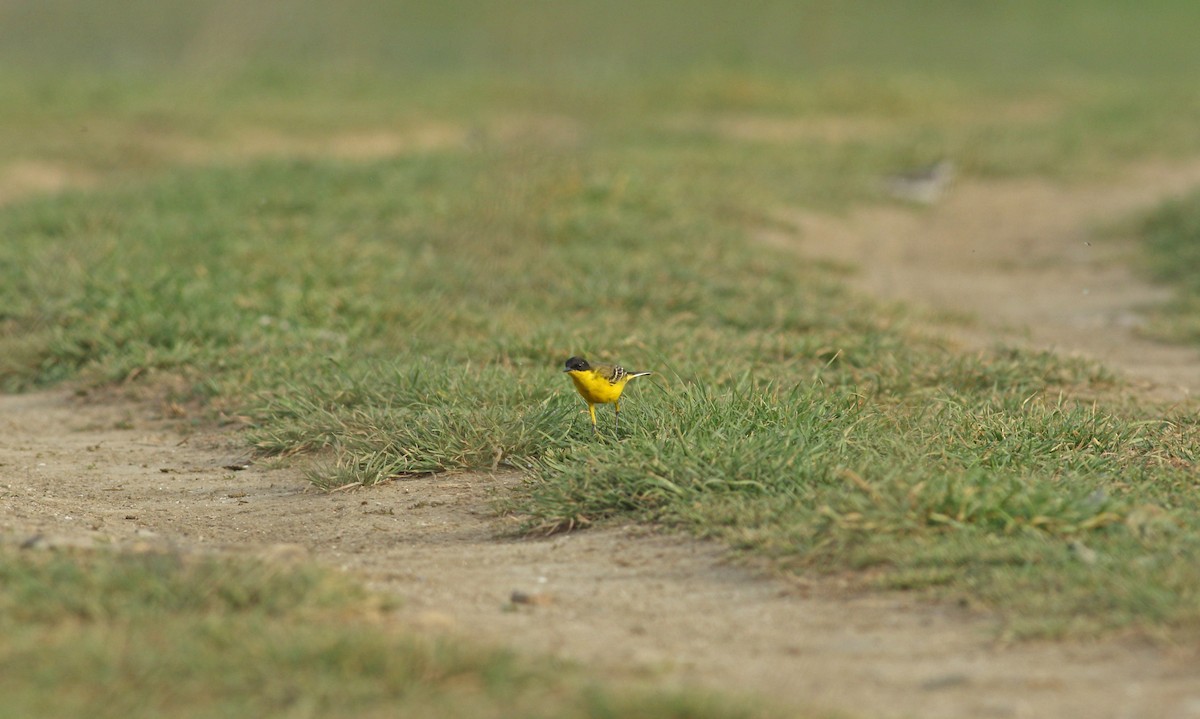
[592,411]
[617,410]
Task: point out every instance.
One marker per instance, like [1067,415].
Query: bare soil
[633,604]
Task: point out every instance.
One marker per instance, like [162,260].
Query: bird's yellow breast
[596,388]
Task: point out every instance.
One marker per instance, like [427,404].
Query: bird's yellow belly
[596,390]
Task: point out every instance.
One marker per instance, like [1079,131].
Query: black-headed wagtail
[600,384]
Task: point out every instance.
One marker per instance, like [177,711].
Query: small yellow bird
[600,384]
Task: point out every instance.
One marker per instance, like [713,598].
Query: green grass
[110,635]
[597,190]
[1170,236]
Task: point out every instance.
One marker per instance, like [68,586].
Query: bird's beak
[566,370]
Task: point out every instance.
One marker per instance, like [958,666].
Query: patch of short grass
[1170,236]
[115,635]
[392,421]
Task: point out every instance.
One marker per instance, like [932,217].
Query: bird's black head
[577,364]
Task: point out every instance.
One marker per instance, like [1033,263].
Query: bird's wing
[612,373]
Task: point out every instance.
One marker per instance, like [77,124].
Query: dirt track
[640,606]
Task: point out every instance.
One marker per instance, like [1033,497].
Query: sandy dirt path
[1022,259]
[625,601]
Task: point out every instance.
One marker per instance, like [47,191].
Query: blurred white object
[923,185]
